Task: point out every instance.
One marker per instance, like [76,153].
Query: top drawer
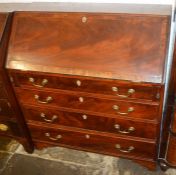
[114,88]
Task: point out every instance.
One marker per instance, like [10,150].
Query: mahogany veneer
[91,81]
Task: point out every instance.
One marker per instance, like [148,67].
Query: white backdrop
[96,1]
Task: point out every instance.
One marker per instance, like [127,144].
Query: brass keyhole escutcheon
[84,19]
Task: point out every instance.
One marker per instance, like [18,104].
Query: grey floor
[61,161]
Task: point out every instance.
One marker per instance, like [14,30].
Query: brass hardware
[78,82]
[47,100]
[43,83]
[84,19]
[87,136]
[130,129]
[3,127]
[130,91]
[81,99]
[130,109]
[51,138]
[84,117]
[128,150]
[42,115]
[158,96]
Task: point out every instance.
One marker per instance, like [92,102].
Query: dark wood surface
[71,43]
[171,153]
[5,108]
[173,124]
[12,123]
[100,105]
[148,163]
[93,141]
[92,122]
[90,62]
[3,19]
[13,129]
[146,91]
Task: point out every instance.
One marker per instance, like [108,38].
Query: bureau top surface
[3,19]
[106,45]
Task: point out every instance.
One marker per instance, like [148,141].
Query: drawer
[93,141]
[91,122]
[117,89]
[87,103]
[171,152]
[9,128]
[5,108]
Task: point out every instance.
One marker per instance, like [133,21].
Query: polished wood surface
[83,80]
[120,126]
[71,43]
[12,123]
[93,141]
[118,89]
[3,19]
[84,102]
[171,154]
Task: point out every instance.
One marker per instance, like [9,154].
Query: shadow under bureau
[91,81]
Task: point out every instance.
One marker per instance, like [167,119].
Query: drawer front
[171,154]
[121,90]
[94,142]
[76,101]
[91,122]
[5,109]
[9,128]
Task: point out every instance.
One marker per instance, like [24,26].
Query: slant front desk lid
[106,45]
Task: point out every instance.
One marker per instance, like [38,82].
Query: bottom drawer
[93,141]
[171,153]
[9,128]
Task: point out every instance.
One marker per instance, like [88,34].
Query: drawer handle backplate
[130,109]
[3,127]
[128,131]
[43,116]
[129,92]
[128,150]
[47,100]
[52,138]
[42,84]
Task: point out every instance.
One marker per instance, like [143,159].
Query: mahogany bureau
[91,81]
[12,123]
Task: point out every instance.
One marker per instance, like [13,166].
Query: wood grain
[145,91]
[91,122]
[96,142]
[99,105]
[128,47]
